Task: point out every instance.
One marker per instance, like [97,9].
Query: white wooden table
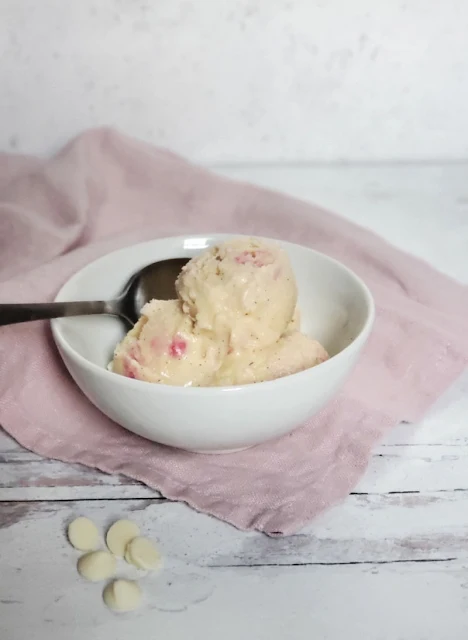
[390,563]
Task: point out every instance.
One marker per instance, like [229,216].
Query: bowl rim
[63,345]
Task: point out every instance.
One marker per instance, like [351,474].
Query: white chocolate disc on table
[97,565]
[127,555]
[142,553]
[119,535]
[122,595]
[83,534]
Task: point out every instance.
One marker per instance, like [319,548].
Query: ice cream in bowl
[262,334]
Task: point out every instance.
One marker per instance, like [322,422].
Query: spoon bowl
[157,280]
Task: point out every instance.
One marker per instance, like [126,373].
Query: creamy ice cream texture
[293,352]
[242,291]
[164,346]
[235,322]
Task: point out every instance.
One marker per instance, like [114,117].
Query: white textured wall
[240,80]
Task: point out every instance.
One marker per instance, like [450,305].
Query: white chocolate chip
[127,555]
[119,535]
[97,565]
[142,553]
[122,595]
[83,534]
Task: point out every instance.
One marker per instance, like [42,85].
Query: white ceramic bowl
[336,308]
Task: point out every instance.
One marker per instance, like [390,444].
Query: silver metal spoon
[157,280]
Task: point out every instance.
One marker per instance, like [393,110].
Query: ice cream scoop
[242,291]
[165,347]
[292,353]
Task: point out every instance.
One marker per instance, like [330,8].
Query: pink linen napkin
[104,191]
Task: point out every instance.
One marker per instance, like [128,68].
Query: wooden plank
[408,602]
[40,479]
[416,468]
[41,595]
[25,476]
[365,530]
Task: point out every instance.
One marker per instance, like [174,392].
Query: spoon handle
[15,313]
